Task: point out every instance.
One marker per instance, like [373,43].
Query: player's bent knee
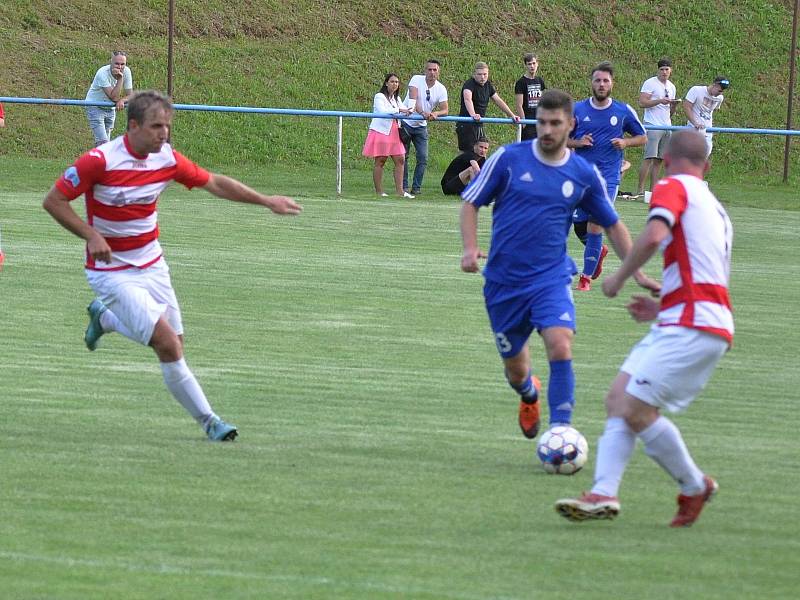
[165,342]
[639,415]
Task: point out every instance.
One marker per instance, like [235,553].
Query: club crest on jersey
[614,120]
[567,189]
[71,175]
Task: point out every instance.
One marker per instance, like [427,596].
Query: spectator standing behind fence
[658,99]
[2,116]
[475,95]
[464,168]
[700,103]
[428,97]
[112,82]
[383,138]
[527,91]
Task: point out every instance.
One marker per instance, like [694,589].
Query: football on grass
[562,450]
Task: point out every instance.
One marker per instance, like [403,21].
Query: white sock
[110,322]
[186,390]
[664,444]
[614,449]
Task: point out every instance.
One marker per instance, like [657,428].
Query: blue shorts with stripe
[515,312]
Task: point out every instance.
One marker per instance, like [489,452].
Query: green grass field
[379,454]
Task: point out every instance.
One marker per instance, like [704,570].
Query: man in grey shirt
[112,82]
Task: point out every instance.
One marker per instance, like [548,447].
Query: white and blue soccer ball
[562,450]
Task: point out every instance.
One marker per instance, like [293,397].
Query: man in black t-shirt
[464,168]
[527,92]
[475,95]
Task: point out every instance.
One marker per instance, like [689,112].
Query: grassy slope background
[331,55]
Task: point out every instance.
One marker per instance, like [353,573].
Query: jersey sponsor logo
[586,118]
[567,189]
[526,177]
[71,175]
[138,164]
[614,120]
[642,382]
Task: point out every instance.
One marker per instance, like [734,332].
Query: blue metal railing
[364,115]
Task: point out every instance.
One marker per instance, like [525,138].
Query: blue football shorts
[515,312]
[581,216]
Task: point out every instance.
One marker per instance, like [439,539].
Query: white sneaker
[407,195]
[384,195]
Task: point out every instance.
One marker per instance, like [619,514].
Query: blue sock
[526,390]
[591,254]
[561,391]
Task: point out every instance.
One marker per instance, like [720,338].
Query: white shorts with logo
[671,365]
[138,298]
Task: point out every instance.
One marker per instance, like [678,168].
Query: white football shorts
[671,365]
[138,297]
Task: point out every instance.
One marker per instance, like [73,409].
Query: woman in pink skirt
[383,139]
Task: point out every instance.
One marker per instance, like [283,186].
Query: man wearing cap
[700,103]
[658,99]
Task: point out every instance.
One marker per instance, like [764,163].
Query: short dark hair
[664,62]
[528,57]
[433,61]
[554,99]
[604,66]
[141,102]
[481,140]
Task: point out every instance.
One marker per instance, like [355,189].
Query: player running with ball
[535,186]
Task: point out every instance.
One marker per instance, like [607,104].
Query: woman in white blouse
[383,139]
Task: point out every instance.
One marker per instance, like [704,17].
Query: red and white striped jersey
[697,256]
[122,190]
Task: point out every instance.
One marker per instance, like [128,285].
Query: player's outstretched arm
[634,256]
[57,204]
[232,189]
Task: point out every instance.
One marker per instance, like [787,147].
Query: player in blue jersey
[599,136]
[536,186]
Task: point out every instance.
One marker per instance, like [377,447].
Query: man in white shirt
[428,97]
[658,99]
[112,82]
[700,103]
